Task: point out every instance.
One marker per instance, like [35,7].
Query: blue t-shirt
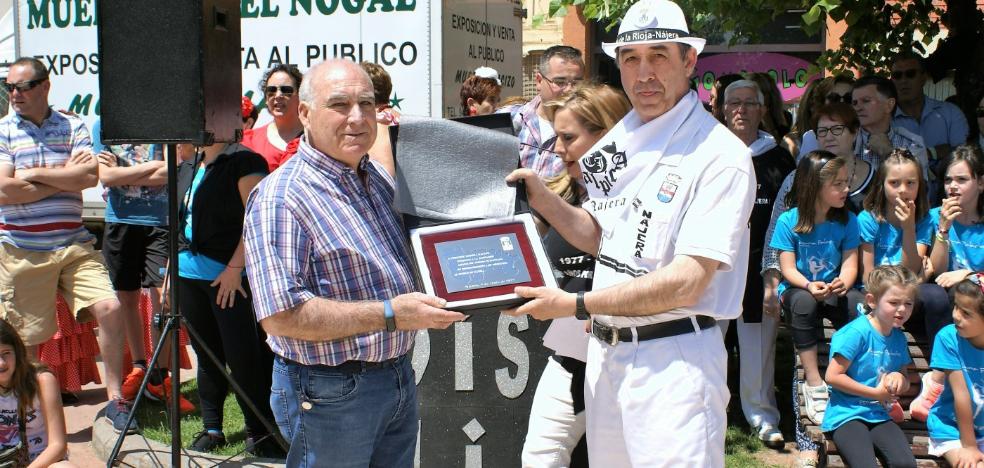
[193,266]
[819,253]
[137,204]
[872,356]
[966,244]
[951,352]
[887,239]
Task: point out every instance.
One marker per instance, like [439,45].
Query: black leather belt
[612,335]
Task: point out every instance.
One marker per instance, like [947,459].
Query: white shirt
[681,184]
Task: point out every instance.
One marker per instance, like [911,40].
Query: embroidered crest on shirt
[669,188]
[601,167]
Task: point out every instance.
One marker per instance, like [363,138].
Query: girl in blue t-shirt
[818,244]
[867,373]
[894,227]
[956,422]
[958,251]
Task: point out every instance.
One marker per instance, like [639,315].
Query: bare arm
[849,267]
[837,377]
[867,258]
[15,191]
[79,173]
[230,280]
[54,421]
[321,319]
[679,284]
[574,224]
[112,175]
[787,265]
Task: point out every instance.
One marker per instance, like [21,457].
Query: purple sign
[789,72]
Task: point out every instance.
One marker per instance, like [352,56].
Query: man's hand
[818,289]
[418,311]
[546,303]
[80,157]
[879,144]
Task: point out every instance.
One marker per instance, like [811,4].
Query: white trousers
[657,403]
[554,429]
[757,369]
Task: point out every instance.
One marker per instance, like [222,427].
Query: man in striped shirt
[45,161]
[333,285]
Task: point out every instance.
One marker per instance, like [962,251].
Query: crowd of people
[667,221]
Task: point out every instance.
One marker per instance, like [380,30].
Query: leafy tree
[876,31]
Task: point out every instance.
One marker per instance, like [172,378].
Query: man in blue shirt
[941,124]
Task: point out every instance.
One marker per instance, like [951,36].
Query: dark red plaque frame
[428,242]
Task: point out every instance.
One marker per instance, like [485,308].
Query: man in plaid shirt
[333,285]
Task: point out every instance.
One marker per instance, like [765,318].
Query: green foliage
[876,29]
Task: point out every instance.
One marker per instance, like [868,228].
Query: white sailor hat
[488,72]
[653,22]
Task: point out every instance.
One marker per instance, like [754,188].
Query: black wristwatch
[581,312]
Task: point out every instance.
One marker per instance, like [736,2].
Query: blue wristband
[388,316]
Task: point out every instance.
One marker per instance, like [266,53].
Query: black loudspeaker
[169,71]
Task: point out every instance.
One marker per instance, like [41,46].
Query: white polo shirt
[681,184]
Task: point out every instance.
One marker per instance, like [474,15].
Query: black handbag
[18,455]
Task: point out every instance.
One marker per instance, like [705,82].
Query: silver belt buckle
[610,334]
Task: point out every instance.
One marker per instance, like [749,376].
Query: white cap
[488,72]
[653,22]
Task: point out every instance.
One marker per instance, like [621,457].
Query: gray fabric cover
[447,170]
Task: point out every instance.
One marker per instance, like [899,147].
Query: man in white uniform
[671,191]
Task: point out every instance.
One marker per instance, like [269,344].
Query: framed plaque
[477,264]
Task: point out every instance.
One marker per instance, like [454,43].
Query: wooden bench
[915,431]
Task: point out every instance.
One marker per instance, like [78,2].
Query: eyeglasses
[286,90]
[23,86]
[835,130]
[738,104]
[563,82]
[980,111]
[908,74]
[834,97]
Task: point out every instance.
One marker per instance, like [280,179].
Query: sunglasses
[909,74]
[834,97]
[286,90]
[23,86]
[835,130]
[980,112]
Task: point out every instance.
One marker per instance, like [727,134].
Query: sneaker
[206,441]
[919,409]
[160,392]
[265,447]
[117,412]
[770,436]
[131,384]
[895,412]
[815,400]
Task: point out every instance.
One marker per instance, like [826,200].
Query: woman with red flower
[280,86]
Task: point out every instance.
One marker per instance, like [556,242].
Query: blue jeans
[348,415]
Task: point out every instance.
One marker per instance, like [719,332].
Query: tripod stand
[170,331]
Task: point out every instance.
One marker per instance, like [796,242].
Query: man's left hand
[545,303]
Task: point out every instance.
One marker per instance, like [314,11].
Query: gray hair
[744,84]
[306,92]
[566,53]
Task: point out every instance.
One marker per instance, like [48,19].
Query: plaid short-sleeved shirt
[313,229]
[51,223]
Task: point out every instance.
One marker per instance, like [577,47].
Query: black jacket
[217,211]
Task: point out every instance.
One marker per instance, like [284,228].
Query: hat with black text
[653,22]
